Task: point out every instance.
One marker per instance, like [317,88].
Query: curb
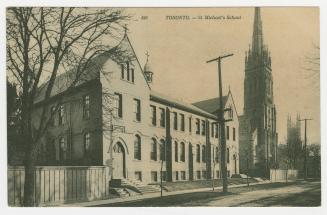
[149,196]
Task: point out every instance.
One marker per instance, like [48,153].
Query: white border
[167,3]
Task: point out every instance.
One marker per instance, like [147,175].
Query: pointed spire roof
[257,37]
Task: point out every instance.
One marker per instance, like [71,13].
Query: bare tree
[311,67]
[41,44]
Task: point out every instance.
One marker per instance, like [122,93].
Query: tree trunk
[29,183]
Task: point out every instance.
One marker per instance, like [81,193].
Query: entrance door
[118,163]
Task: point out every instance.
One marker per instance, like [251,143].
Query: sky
[180,48]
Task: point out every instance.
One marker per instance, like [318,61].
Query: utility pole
[305,148]
[221,121]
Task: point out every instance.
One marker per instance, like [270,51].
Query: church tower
[259,108]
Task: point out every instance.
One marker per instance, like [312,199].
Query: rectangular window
[228,173]
[176,151]
[132,73]
[153,115]
[138,175]
[183,175]
[227,132]
[119,105]
[190,124]
[176,173]
[122,71]
[197,126]
[198,153]
[162,117]
[198,175]
[153,154]
[175,121]
[204,153]
[127,71]
[203,123]
[212,130]
[182,151]
[227,155]
[61,115]
[234,134]
[217,174]
[137,109]
[217,130]
[182,122]
[86,107]
[154,176]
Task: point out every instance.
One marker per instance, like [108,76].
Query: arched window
[87,137]
[162,150]
[182,152]
[203,153]
[176,151]
[198,153]
[62,149]
[137,147]
[153,154]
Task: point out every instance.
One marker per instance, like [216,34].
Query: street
[298,193]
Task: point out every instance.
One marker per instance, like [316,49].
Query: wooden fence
[59,184]
[283,175]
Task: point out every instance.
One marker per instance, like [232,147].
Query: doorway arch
[119,161]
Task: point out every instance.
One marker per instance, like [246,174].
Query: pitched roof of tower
[257,37]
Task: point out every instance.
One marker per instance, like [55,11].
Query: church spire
[257,37]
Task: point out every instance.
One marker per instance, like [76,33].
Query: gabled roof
[64,81]
[166,100]
[211,105]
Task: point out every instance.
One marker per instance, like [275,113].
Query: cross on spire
[147,56]
[125,29]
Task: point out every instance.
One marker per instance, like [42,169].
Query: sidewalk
[150,195]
